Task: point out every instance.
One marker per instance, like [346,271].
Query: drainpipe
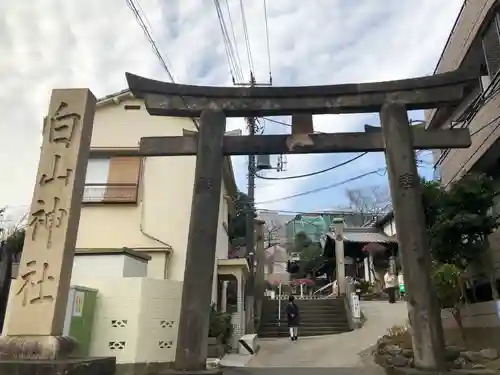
[141,224]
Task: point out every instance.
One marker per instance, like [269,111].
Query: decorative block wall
[136,319]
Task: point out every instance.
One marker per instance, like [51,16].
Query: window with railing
[112,180]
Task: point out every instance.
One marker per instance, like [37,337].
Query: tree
[459,221]
[309,253]
[11,246]
[370,202]
[448,281]
[271,234]
[12,237]
[237,223]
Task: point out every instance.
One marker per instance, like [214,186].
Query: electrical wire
[317,190]
[234,42]
[141,18]
[314,173]
[247,38]
[230,45]
[268,43]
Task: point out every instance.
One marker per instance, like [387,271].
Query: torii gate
[391,99]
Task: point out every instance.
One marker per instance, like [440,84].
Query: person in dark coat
[293,317]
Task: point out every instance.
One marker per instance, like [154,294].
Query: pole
[191,354]
[250,228]
[279,304]
[423,308]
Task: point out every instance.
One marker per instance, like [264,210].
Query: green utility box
[80,317]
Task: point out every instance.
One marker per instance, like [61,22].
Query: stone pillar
[338,225]
[366,268]
[423,307]
[37,309]
[223,299]
[371,268]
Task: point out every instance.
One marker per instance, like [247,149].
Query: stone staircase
[317,317]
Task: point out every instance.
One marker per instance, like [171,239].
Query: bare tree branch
[370,202]
[6,229]
[271,234]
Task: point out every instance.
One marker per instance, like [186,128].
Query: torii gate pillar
[423,310]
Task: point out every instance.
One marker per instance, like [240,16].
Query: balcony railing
[110,193]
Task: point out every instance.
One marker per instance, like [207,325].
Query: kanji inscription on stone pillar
[40,293]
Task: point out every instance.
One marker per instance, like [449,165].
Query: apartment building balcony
[474,44]
[111,193]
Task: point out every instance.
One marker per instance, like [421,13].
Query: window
[112,180]
[491,46]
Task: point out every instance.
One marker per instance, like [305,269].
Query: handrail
[324,287]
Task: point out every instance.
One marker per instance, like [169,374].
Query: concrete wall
[165,192]
[481,322]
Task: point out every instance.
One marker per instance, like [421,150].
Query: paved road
[297,371]
[342,351]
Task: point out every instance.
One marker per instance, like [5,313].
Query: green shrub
[220,325]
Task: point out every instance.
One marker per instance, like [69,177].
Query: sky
[49,44]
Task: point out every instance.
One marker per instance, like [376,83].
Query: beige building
[143,204]
[474,43]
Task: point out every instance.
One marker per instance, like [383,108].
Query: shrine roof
[364,235]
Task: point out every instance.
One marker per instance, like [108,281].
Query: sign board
[355,306]
[78,303]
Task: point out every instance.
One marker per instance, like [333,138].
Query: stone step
[308,324]
[306,313]
[306,308]
[330,317]
[307,303]
[303,331]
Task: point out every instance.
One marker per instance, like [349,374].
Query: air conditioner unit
[263,162]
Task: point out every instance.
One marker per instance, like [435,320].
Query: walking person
[293,317]
[391,284]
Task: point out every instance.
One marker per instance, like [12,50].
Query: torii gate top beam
[172,99]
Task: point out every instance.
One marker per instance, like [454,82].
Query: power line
[247,38]
[317,190]
[268,43]
[139,18]
[230,45]
[314,173]
[234,42]
[142,20]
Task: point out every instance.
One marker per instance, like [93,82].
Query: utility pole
[250,224]
[250,218]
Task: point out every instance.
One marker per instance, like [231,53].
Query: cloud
[55,43]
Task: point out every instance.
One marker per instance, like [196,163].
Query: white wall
[114,265]
[390,228]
